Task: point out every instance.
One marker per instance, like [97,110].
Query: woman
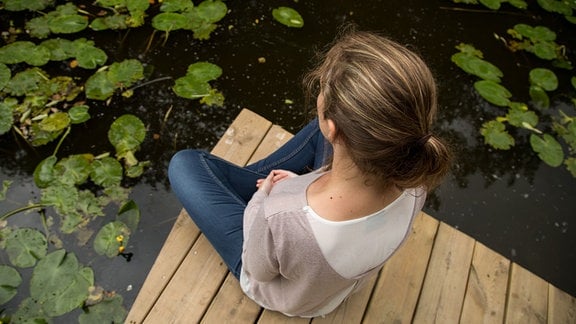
[304,241]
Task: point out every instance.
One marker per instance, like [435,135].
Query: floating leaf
[88,55]
[110,310]
[129,214]
[6,118]
[491,4]
[59,283]
[571,165]
[111,22]
[10,280]
[38,56]
[545,50]
[68,24]
[5,75]
[44,172]
[55,122]
[556,6]
[211,11]
[99,87]
[215,98]
[190,88]
[548,149]
[74,169]
[469,49]
[106,172]
[125,73]
[518,114]
[25,246]
[536,34]
[288,16]
[544,78]
[5,185]
[176,5]
[105,242]
[78,114]
[26,82]
[539,97]
[16,52]
[30,312]
[127,133]
[493,92]
[33,5]
[495,135]
[476,66]
[169,21]
[204,71]
[63,198]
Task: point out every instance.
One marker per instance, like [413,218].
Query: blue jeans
[215,192]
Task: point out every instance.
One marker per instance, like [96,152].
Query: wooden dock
[440,275]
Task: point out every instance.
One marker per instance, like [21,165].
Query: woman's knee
[183,162]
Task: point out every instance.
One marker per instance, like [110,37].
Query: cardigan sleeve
[259,259]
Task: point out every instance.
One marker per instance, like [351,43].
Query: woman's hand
[274,177]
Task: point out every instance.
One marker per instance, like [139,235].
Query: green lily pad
[110,22]
[68,24]
[539,97]
[545,50]
[214,98]
[571,165]
[129,214]
[495,135]
[5,186]
[544,78]
[38,56]
[125,73]
[127,133]
[169,21]
[99,87]
[106,243]
[478,67]
[5,75]
[469,49]
[74,169]
[520,4]
[79,114]
[26,82]
[548,149]
[176,5]
[491,4]
[63,198]
[560,7]
[6,118]
[190,88]
[493,92]
[10,280]
[60,49]
[536,34]
[211,11]
[44,172]
[106,172]
[59,283]
[39,27]
[518,115]
[55,122]
[25,246]
[288,17]
[30,312]
[109,310]
[203,71]
[32,5]
[16,52]
[88,55]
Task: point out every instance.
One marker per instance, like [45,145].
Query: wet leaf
[539,97]
[99,87]
[214,98]
[16,52]
[105,242]
[88,55]
[571,165]
[476,66]
[548,149]
[520,4]
[125,73]
[6,118]
[110,22]
[556,6]
[68,24]
[567,132]
[544,50]
[26,82]
[495,135]
[59,283]
[288,16]
[63,198]
[190,88]
[88,204]
[169,21]
[55,122]
[536,34]
[19,5]
[203,71]
[469,49]
[211,11]
[127,133]
[493,92]
[38,56]
[30,312]
[39,27]
[10,280]
[110,310]
[78,114]
[60,49]
[25,246]
[74,169]
[518,114]
[135,169]
[44,172]
[5,75]
[129,214]
[106,172]
[491,4]
[5,185]
[176,5]
[41,137]
[544,78]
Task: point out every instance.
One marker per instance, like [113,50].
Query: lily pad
[211,11]
[129,214]
[539,97]
[493,92]
[5,75]
[495,135]
[176,5]
[99,87]
[110,310]
[478,67]
[127,133]
[60,49]
[25,246]
[548,149]
[33,5]
[6,118]
[55,122]
[106,242]
[106,172]
[491,4]
[190,88]
[88,55]
[125,73]
[571,165]
[10,280]
[544,78]
[68,24]
[74,169]
[519,114]
[288,17]
[545,50]
[44,172]
[204,71]
[26,82]
[79,114]
[16,52]
[59,283]
[169,21]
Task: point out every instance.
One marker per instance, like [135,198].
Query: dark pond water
[509,201]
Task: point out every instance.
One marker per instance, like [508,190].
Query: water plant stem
[150,82]
[61,140]
[21,209]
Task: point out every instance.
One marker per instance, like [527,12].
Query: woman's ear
[332,130]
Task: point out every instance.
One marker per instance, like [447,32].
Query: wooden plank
[561,306]
[445,283]
[181,238]
[396,293]
[242,137]
[527,297]
[270,317]
[192,288]
[275,138]
[231,305]
[486,294]
[352,310]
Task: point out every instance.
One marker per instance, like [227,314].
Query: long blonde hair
[382,99]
